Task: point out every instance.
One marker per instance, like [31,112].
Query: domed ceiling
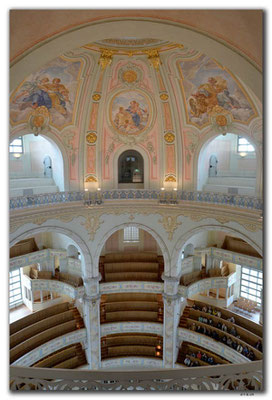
[122,92]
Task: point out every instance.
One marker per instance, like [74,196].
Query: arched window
[130,167]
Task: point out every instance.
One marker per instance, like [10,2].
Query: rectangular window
[15,291]
[16,146]
[243,146]
[249,287]
[131,234]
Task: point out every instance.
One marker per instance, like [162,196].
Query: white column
[91,314]
[41,294]
[172,304]
[63,264]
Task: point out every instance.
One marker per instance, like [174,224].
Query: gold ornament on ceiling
[39,119]
[91,178]
[164,96]
[96,97]
[169,137]
[129,76]
[221,120]
[105,58]
[154,58]
[91,137]
[170,178]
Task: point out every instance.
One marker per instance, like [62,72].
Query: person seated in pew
[245,351]
[204,320]
[231,319]
[198,354]
[193,327]
[233,331]
[251,355]
[187,360]
[258,346]
[224,328]
[234,345]
[209,310]
[204,357]
[199,329]
[224,339]
[229,342]
[215,335]
[210,321]
[200,319]
[219,314]
[210,360]
[219,325]
[193,355]
[208,332]
[204,309]
[195,364]
[239,348]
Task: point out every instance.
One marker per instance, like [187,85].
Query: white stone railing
[36,257]
[230,256]
[131,286]
[80,335]
[203,285]
[171,197]
[52,285]
[132,362]
[240,377]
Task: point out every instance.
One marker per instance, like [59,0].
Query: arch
[140,27]
[236,130]
[153,233]
[146,162]
[130,167]
[176,254]
[189,250]
[55,141]
[86,259]
[72,251]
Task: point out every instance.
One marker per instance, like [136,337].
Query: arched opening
[220,254]
[43,255]
[227,164]
[35,166]
[131,170]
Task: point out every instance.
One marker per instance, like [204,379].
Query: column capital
[92,299]
[170,284]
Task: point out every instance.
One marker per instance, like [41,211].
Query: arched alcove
[208,236]
[145,161]
[227,165]
[131,169]
[71,238]
[29,169]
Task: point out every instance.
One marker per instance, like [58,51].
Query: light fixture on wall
[243,154]
[162,188]
[17,155]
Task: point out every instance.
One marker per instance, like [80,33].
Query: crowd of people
[214,334]
[200,356]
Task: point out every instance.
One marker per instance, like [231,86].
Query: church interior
[136,200]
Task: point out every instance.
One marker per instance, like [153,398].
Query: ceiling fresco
[49,93]
[207,87]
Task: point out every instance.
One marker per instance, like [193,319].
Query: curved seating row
[192,323]
[41,328]
[145,266]
[131,307]
[196,355]
[69,357]
[239,320]
[131,344]
[37,316]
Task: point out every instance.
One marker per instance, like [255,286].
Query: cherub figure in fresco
[137,113]
[210,94]
[43,93]
[35,95]
[123,120]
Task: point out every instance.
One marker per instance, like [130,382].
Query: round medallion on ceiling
[131,112]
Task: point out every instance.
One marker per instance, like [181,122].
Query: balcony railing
[239,377]
[165,197]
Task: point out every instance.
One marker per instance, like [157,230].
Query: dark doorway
[130,167]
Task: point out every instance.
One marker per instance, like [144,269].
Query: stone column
[91,314]
[172,305]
